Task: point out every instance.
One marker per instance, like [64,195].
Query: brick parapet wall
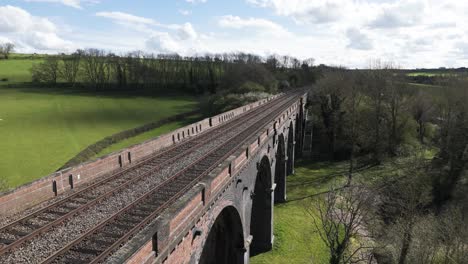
[177,245]
[40,190]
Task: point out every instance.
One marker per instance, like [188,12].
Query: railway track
[99,241]
[16,233]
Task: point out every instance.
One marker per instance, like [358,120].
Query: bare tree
[421,111]
[47,71]
[403,202]
[6,49]
[452,159]
[340,216]
[396,103]
[332,95]
[354,103]
[70,67]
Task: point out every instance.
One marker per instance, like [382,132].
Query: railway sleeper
[106,242]
[109,234]
[34,226]
[123,224]
[70,260]
[57,213]
[90,252]
[19,233]
[6,241]
[132,219]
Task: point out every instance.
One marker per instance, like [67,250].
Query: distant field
[147,135]
[16,70]
[41,129]
[433,74]
[424,74]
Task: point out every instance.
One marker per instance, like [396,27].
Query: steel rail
[208,134]
[169,181]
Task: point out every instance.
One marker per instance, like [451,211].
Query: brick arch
[290,151]
[280,171]
[261,220]
[225,240]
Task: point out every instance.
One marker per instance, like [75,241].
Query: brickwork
[40,190]
[222,190]
[179,234]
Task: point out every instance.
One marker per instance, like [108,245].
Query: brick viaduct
[226,218]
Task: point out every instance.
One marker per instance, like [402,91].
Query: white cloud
[121,17]
[400,14]
[29,32]
[185,31]
[305,11]
[71,3]
[196,1]
[358,40]
[163,43]
[164,38]
[185,12]
[259,24]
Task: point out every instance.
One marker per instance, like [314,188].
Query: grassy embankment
[295,239]
[41,129]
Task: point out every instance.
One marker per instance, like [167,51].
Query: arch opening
[225,242]
[280,171]
[290,162]
[261,220]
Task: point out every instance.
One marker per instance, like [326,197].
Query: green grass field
[41,129]
[295,239]
[147,135]
[16,70]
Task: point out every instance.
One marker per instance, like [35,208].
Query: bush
[4,79]
[222,103]
[249,87]
[240,74]
[284,85]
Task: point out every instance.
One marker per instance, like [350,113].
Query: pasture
[41,129]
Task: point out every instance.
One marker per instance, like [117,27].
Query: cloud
[400,14]
[305,11]
[71,3]
[185,31]
[196,1]
[259,24]
[120,17]
[31,32]
[163,43]
[164,38]
[185,12]
[358,40]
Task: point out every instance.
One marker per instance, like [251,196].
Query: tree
[96,68]
[6,49]
[331,93]
[47,71]
[339,217]
[355,99]
[376,90]
[421,111]
[452,160]
[403,202]
[70,67]
[396,103]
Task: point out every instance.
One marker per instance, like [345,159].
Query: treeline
[101,71]
[369,117]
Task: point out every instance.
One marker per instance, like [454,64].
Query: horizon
[415,34]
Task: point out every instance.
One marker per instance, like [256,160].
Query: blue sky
[409,33]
